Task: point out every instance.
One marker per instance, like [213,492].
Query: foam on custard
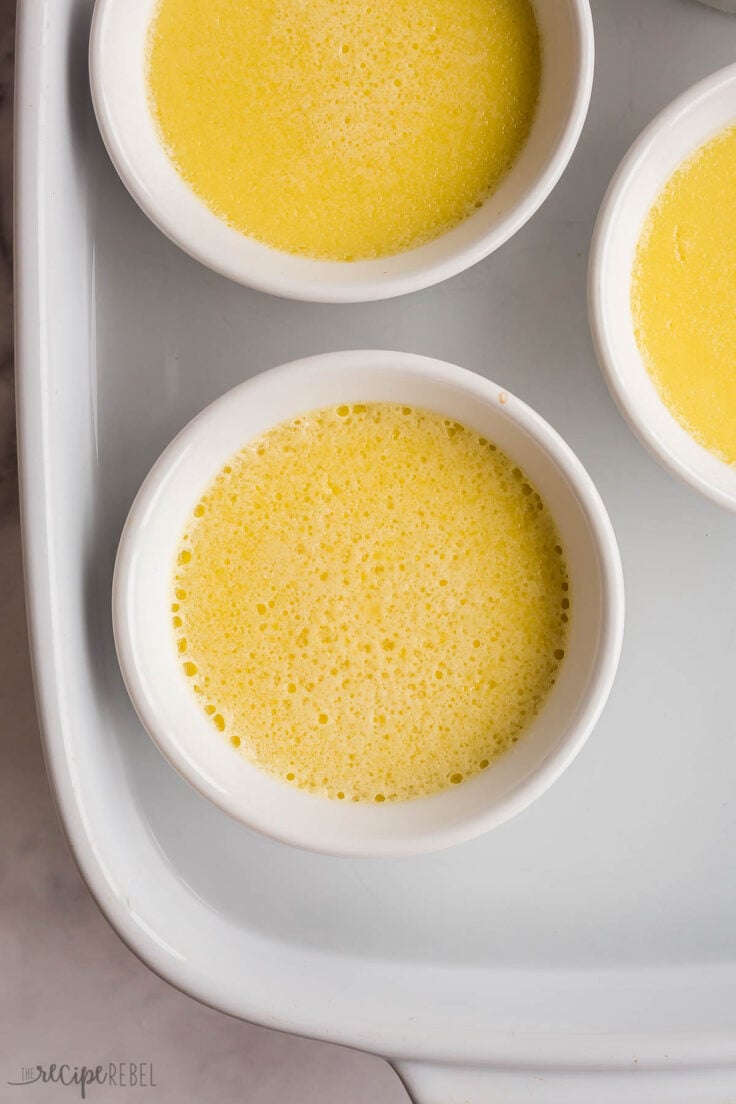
[371,602]
[343,129]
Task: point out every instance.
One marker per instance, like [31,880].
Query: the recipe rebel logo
[116,1075]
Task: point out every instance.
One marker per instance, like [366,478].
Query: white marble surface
[69,990]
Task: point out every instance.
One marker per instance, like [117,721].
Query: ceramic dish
[728,6]
[117,51]
[688,122]
[173,717]
[585,951]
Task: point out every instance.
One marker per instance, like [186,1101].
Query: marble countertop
[69,990]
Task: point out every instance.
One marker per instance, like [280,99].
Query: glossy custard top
[343,129]
[684,295]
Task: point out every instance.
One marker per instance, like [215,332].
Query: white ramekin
[688,122]
[117,76]
[163,697]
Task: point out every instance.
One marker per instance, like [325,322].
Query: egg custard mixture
[343,129]
[371,602]
[684,295]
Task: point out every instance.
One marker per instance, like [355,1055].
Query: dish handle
[433,1083]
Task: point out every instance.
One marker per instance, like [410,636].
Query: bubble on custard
[311,662]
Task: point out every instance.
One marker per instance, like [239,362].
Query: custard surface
[683,295]
[341,129]
[371,602]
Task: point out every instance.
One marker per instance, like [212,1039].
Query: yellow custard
[371,602]
[684,295]
[343,129]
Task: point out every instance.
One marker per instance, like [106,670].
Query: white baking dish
[584,952]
